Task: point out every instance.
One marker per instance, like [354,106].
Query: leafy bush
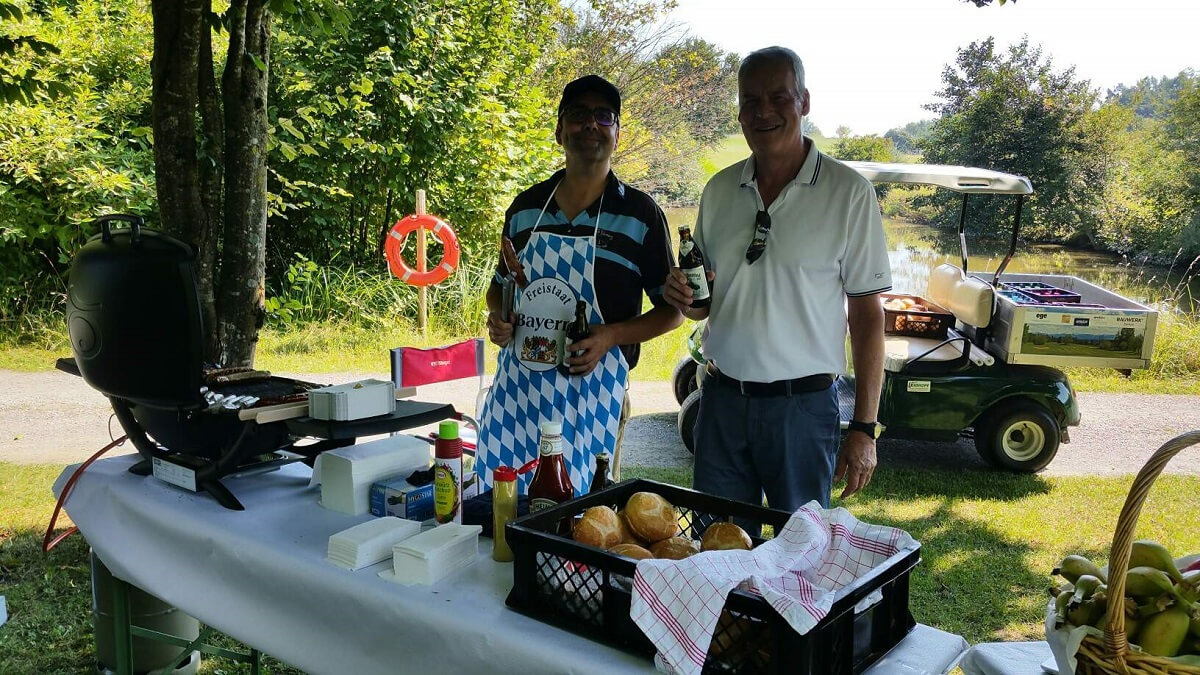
[64,161]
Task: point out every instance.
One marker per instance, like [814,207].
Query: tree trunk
[244,93]
[212,173]
[181,35]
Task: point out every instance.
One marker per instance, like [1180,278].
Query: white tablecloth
[260,575]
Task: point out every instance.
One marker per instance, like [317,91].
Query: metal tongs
[513,280]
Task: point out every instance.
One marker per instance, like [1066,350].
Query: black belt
[800,385]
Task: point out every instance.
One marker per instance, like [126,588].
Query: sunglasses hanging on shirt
[762,229]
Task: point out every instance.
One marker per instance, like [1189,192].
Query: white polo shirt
[785,316]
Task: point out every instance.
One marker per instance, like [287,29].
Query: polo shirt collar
[809,172]
[614,189]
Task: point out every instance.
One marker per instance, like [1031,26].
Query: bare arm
[856,461]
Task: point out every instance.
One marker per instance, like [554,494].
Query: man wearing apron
[581,235]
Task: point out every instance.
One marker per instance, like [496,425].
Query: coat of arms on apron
[547,308]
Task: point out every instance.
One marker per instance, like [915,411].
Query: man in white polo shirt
[796,250]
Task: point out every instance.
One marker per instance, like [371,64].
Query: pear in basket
[1147,553]
[1164,633]
[1074,566]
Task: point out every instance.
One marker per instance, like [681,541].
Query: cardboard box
[1118,334]
[395,496]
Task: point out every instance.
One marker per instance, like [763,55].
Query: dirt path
[55,418]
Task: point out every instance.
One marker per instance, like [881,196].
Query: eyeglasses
[762,228]
[605,117]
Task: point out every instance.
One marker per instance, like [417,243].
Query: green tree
[1014,112]
[906,138]
[1148,167]
[678,91]
[443,99]
[688,107]
[210,150]
[20,79]
[1183,137]
[869,148]
[66,160]
[1152,97]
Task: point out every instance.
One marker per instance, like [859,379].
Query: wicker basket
[1112,656]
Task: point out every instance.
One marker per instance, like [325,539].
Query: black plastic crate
[932,321]
[588,590]
[1053,294]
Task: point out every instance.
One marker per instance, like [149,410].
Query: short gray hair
[760,56]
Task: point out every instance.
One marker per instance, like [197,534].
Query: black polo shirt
[633,247]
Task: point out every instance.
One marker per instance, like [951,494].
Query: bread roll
[627,535]
[725,536]
[675,548]
[651,517]
[631,551]
[599,527]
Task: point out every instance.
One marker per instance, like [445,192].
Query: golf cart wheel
[1020,437]
[684,378]
[687,420]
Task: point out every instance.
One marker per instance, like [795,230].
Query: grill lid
[133,315]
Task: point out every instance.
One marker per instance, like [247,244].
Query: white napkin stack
[346,474]
[431,555]
[370,542]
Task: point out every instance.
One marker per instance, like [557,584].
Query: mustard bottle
[504,509]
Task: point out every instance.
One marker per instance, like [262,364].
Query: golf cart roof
[963,179]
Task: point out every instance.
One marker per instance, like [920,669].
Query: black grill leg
[220,493]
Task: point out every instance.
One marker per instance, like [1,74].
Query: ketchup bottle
[551,485]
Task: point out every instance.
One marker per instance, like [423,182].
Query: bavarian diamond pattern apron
[589,406]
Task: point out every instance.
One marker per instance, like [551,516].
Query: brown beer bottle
[600,479]
[577,331]
[691,262]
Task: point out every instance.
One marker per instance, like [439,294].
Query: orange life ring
[395,244]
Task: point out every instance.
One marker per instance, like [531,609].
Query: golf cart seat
[970,300]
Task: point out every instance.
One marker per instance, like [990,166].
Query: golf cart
[975,356]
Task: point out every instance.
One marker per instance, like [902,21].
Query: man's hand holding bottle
[500,331]
[678,293]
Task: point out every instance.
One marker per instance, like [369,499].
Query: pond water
[915,249]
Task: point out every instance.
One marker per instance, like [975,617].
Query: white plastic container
[433,554]
[352,401]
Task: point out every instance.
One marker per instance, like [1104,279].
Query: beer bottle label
[685,247]
[698,282]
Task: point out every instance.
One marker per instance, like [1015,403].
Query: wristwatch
[869,428]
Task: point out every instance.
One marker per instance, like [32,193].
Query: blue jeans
[785,446]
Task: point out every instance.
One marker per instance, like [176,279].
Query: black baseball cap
[590,83]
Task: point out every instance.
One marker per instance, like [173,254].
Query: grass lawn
[988,542]
[335,348]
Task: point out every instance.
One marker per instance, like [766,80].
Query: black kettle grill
[135,324]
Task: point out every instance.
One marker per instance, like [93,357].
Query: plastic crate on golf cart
[931,321]
[588,590]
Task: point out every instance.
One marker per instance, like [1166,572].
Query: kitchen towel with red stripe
[677,603]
